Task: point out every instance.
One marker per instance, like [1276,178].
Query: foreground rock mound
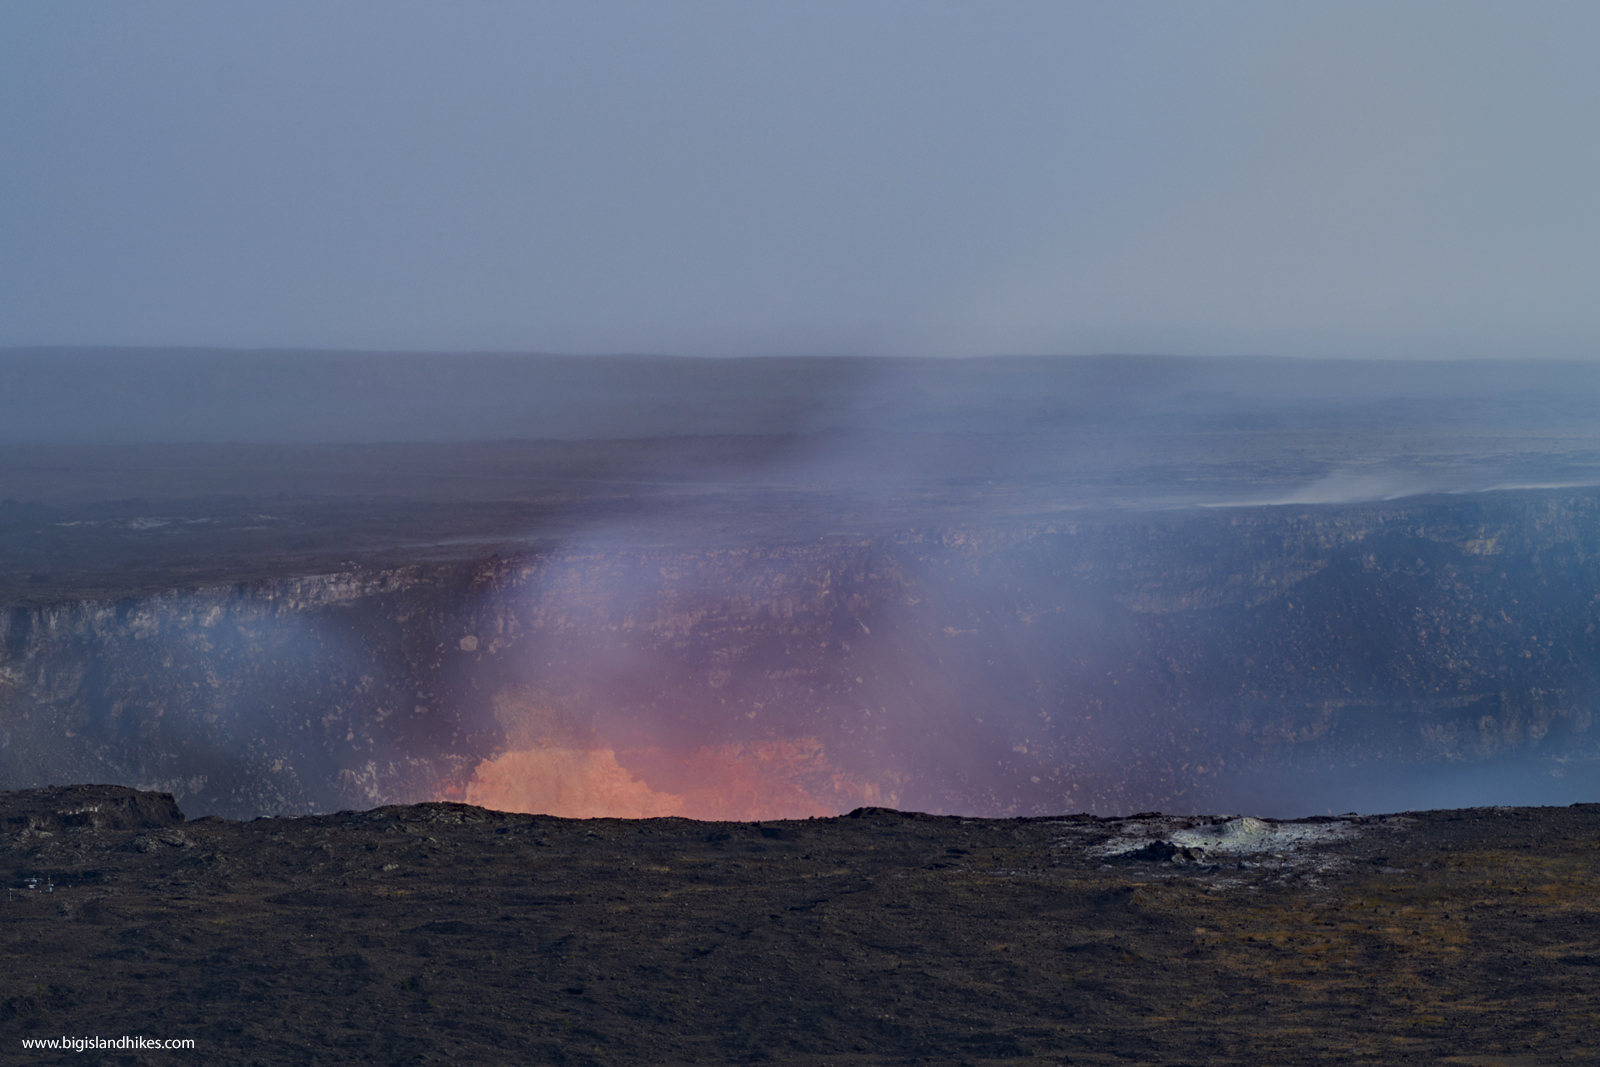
[42,812]
[444,933]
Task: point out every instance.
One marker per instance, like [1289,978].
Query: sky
[1395,179]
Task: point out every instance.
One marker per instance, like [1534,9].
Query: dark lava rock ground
[443,933]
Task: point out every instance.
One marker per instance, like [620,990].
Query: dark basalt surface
[443,933]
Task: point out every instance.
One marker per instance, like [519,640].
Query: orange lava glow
[785,779]
[555,766]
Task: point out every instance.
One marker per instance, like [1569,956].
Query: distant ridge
[176,395]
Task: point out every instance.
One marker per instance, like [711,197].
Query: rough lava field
[448,934]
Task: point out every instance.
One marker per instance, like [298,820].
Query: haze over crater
[323,482]
[768,587]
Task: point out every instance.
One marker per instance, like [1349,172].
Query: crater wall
[1178,660]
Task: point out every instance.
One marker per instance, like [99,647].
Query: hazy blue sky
[765,177]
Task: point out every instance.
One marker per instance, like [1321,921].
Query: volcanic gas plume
[1279,660]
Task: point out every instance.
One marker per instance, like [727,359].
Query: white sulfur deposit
[1231,838]
[1246,834]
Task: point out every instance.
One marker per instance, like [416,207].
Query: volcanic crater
[441,749]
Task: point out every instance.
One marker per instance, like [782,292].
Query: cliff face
[1156,662]
[294,695]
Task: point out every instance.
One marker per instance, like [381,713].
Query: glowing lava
[789,779]
[553,768]
[570,782]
